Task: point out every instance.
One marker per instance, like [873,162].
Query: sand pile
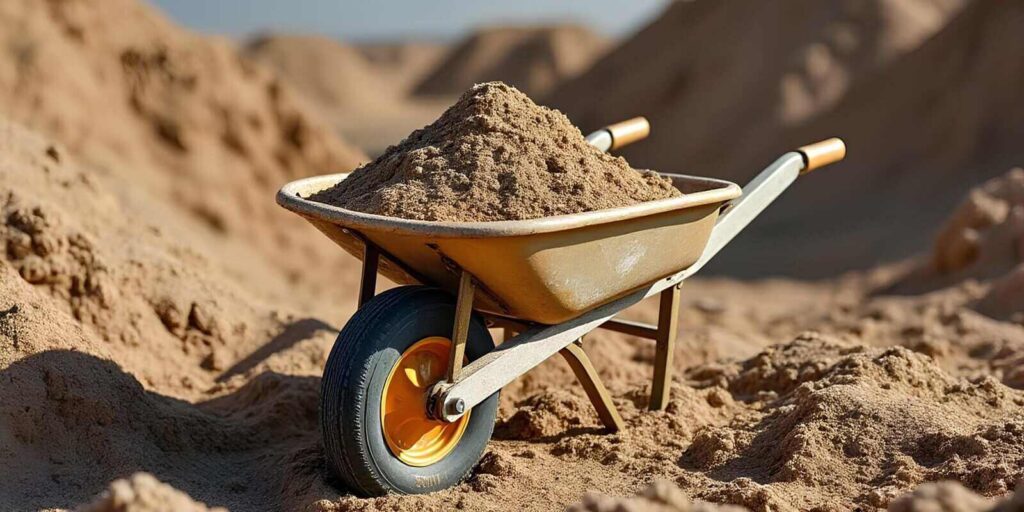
[163,367]
[840,426]
[981,238]
[182,116]
[932,497]
[982,242]
[533,59]
[661,496]
[984,239]
[760,80]
[143,493]
[321,69]
[367,102]
[122,272]
[494,155]
[751,69]
[135,337]
[402,63]
[924,141]
[111,317]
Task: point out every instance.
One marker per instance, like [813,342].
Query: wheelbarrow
[409,394]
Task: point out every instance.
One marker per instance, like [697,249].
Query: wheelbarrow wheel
[377,436]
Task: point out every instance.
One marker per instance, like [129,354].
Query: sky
[370,20]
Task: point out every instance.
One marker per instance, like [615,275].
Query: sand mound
[915,144]
[984,236]
[859,430]
[123,272]
[402,63]
[759,77]
[661,496]
[160,366]
[984,239]
[320,68]
[180,115]
[533,59]
[144,493]
[755,68]
[109,320]
[494,155]
[982,242]
[365,101]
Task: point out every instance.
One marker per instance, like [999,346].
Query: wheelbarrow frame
[527,344]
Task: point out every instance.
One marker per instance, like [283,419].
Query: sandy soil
[139,334]
[494,155]
[884,391]
[367,101]
[533,59]
[173,119]
[403,63]
[906,83]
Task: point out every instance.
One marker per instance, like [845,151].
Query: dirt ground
[163,324]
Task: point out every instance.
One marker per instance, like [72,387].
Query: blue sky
[401,19]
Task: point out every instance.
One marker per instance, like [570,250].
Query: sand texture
[180,116]
[833,396]
[494,155]
[362,93]
[731,86]
[403,63]
[163,326]
[144,493]
[532,59]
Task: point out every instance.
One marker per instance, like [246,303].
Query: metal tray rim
[717,191]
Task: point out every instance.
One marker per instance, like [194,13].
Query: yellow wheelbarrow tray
[548,281]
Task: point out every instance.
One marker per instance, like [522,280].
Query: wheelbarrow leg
[591,382]
[507,333]
[668,322]
[368,280]
[463,312]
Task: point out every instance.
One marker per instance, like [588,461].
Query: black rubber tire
[350,394]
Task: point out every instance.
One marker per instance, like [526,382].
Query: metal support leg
[591,382]
[507,333]
[368,280]
[463,312]
[668,323]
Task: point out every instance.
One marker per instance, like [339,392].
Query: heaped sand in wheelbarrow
[494,155]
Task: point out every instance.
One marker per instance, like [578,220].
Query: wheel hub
[410,433]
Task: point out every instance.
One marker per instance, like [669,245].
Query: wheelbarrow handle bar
[492,371]
[618,135]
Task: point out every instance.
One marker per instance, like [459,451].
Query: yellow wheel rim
[414,438]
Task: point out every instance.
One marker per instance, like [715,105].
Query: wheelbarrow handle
[822,153]
[618,135]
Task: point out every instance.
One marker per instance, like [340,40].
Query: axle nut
[458,406]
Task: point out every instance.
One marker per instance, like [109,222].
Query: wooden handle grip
[629,131]
[822,153]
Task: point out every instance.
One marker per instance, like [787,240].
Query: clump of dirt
[984,236]
[941,496]
[142,492]
[981,242]
[552,412]
[850,69]
[860,427]
[660,496]
[494,155]
[663,496]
